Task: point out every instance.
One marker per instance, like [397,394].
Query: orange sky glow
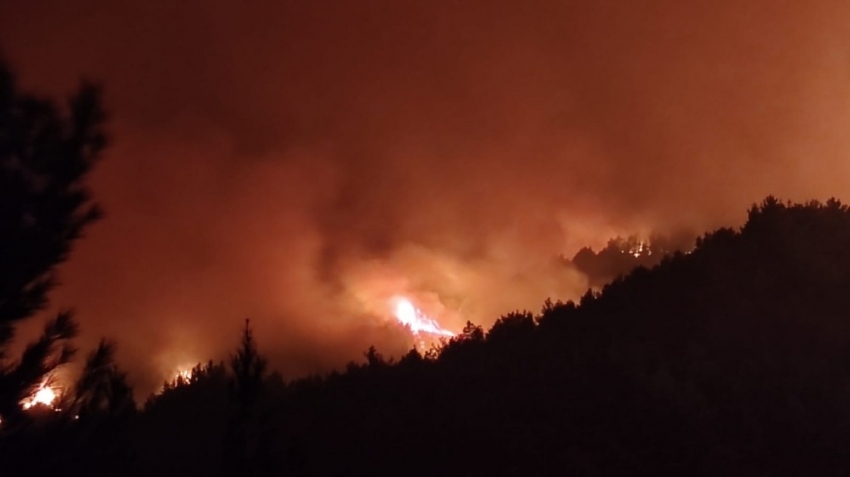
[303,163]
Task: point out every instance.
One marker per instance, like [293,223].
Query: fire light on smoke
[416,321]
[45,395]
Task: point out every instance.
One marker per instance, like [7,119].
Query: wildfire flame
[416,321]
[641,248]
[184,374]
[45,395]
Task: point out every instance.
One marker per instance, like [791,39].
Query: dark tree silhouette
[101,389]
[622,255]
[248,368]
[46,152]
[247,437]
[86,429]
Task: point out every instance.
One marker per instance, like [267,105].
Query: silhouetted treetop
[46,153]
[622,254]
[102,388]
[248,368]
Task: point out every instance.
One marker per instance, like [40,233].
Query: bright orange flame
[413,318]
[184,374]
[179,377]
[45,395]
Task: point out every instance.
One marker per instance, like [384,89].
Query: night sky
[300,162]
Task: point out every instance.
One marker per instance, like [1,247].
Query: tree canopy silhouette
[729,359]
[249,368]
[46,153]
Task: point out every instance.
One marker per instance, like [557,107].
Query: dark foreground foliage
[728,360]
[47,151]
[46,154]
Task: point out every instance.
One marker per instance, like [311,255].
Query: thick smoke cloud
[301,162]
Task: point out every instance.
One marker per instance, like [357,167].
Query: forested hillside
[728,360]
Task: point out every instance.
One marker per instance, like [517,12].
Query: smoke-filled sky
[300,162]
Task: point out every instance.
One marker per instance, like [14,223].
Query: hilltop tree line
[622,254]
[726,360]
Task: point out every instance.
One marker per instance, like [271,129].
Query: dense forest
[726,359]
[622,254]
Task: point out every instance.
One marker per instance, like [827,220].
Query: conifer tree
[46,154]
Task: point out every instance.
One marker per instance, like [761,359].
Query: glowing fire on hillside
[179,377]
[183,374]
[45,395]
[416,321]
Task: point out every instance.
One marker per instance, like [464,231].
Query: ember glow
[183,374]
[639,249]
[416,321]
[45,395]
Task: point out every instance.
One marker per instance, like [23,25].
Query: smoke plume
[300,163]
